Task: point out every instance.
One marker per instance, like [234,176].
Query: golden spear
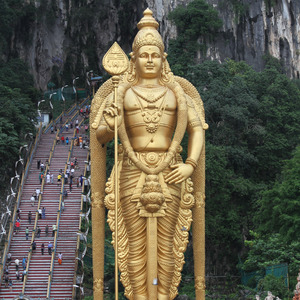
[115,62]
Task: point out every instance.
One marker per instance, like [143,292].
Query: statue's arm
[195,143]
[104,134]
[105,131]
[196,134]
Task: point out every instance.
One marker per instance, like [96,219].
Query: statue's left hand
[180,173]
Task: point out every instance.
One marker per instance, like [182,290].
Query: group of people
[82,142]
[22,272]
[41,215]
[69,176]
[50,246]
[35,196]
[63,140]
[49,177]
[85,111]
[8,279]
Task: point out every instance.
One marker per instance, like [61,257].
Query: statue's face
[149,62]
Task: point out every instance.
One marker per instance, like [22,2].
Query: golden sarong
[172,229]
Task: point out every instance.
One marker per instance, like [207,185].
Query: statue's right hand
[110,114]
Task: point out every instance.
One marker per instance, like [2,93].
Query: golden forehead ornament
[147,34]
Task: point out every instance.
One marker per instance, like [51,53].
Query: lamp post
[95,79]
[50,103]
[39,112]
[62,96]
[88,79]
[74,89]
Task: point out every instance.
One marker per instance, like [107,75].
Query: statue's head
[148,42]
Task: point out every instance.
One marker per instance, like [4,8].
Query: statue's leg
[165,235]
[136,232]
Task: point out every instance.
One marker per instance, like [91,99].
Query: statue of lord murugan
[158,194]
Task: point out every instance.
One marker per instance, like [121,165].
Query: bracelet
[191,162]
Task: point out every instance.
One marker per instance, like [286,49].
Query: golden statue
[155,193]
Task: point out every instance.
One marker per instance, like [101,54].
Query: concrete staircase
[39,266]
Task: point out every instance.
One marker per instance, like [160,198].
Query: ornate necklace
[149,97]
[152,117]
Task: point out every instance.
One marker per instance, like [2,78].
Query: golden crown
[148,34]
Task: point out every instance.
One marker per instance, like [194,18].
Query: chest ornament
[151,114]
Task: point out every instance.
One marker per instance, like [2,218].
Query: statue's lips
[150,67]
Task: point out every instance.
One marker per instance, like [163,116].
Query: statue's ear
[165,55]
[132,56]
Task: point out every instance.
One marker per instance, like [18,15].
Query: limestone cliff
[251,28]
[70,37]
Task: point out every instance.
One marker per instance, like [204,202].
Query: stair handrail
[58,217]
[78,237]
[71,109]
[54,122]
[74,107]
[36,214]
[66,113]
[83,102]
[20,190]
[63,113]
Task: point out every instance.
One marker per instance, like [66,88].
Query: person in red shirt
[62,139]
[18,224]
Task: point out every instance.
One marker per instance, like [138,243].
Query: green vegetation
[270,4]
[198,20]
[283,199]
[17,97]
[16,16]
[253,129]
[240,8]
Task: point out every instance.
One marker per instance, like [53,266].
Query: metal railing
[78,237]
[19,194]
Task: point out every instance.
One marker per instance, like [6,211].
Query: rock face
[69,38]
[266,27]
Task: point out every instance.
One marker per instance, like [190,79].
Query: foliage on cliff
[196,23]
[16,18]
[18,113]
[253,129]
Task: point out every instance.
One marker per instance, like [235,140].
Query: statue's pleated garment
[137,237]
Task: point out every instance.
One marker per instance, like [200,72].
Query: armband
[194,123]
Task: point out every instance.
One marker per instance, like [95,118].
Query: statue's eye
[143,55]
[156,55]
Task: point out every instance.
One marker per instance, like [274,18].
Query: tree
[253,127]
[197,20]
[279,208]
[17,97]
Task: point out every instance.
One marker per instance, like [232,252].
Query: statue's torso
[150,124]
